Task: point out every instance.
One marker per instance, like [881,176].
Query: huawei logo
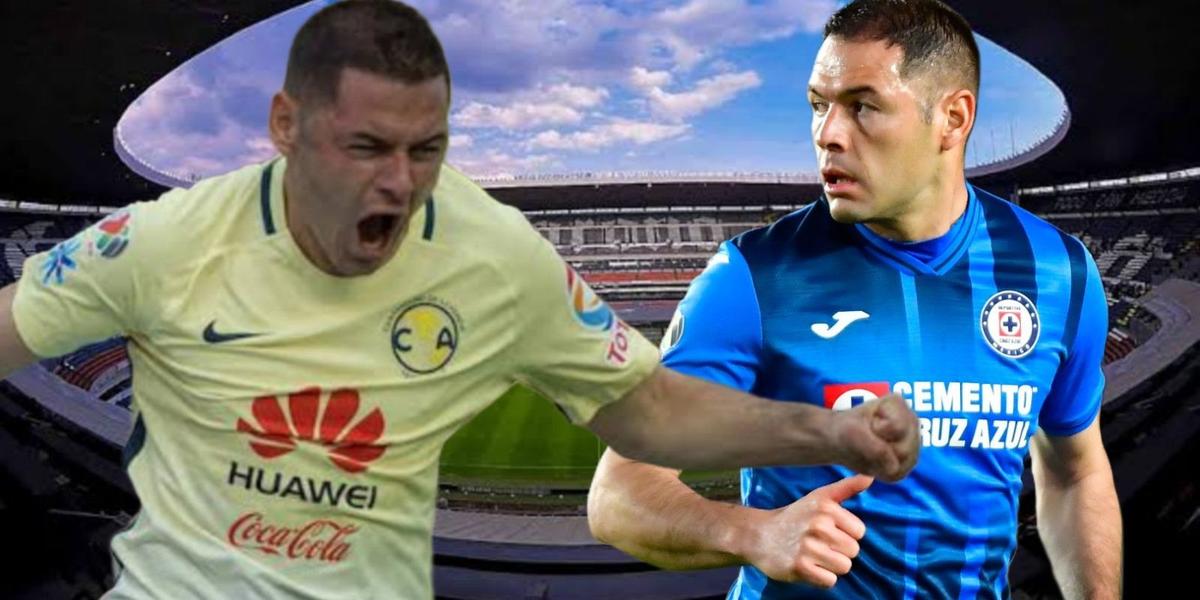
[350,447]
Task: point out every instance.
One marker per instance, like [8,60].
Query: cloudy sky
[563,86]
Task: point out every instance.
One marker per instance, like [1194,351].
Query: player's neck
[301,233]
[929,217]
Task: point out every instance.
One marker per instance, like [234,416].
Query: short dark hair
[382,37]
[932,35]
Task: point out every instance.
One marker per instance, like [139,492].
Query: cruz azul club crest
[1010,324]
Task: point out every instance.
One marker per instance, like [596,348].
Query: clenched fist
[811,540]
[878,438]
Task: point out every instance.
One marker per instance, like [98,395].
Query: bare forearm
[13,353]
[686,423]
[1080,526]
[650,514]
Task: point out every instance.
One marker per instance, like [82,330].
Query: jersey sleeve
[84,289]
[716,333]
[572,347]
[1075,396]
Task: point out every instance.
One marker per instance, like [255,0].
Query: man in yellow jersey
[307,333]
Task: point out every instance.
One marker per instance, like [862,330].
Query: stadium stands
[102,369]
[641,258]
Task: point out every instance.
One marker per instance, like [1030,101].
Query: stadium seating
[642,260]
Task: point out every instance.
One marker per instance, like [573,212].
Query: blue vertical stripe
[912,314]
[1053,289]
[973,554]
[264,199]
[429,214]
[983,285]
[947,309]
[912,533]
[1075,253]
[993,573]
[133,446]
[966,236]
[1012,252]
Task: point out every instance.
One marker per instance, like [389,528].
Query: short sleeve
[716,333]
[571,346]
[84,289]
[1078,388]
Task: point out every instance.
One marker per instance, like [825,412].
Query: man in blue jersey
[903,279]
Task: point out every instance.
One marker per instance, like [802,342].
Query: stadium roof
[73,66]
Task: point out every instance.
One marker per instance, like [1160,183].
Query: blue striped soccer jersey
[991,333]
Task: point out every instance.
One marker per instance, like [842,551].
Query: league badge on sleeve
[591,312]
[673,333]
[60,259]
[1010,324]
[111,235]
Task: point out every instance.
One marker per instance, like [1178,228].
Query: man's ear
[283,124]
[958,109]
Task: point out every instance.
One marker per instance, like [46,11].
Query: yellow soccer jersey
[288,422]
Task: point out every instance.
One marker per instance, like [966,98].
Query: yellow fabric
[301,461]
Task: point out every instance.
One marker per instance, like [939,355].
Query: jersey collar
[272,207]
[274,217]
[944,261]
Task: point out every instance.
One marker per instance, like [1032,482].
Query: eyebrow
[859,90]
[374,139]
[438,137]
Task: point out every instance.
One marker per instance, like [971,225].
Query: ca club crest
[1010,324]
[425,334]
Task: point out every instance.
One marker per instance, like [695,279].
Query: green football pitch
[522,439]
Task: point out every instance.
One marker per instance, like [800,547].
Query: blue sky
[563,86]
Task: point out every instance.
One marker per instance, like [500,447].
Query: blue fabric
[992,331]
[720,337]
[926,251]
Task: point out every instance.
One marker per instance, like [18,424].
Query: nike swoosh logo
[841,320]
[211,336]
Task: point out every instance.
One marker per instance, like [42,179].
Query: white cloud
[737,22]
[642,78]
[509,47]
[684,52]
[505,47]
[559,104]
[178,126]
[722,66]
[608,134]
[522,115]
[519,68]
[575,95]
[708,93]
[495,163]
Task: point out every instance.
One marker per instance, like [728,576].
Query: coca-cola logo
[320,539]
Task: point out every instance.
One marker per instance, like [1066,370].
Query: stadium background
[1121,176]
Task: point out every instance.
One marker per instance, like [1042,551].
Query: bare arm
[647,512]
[14,354]
[1079,518]
[673,420]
